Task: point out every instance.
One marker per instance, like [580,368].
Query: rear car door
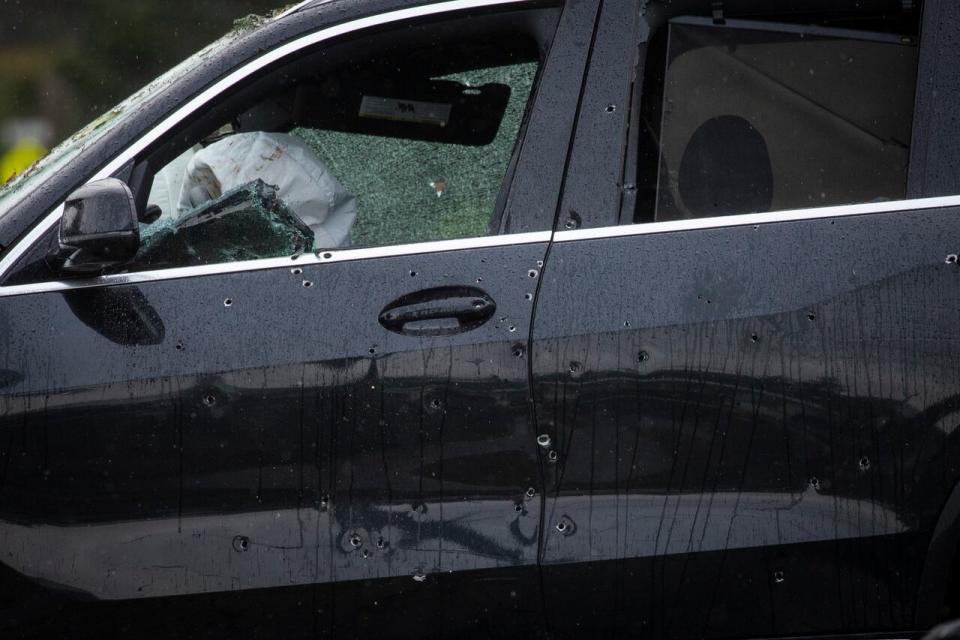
[745,346]
[236,433]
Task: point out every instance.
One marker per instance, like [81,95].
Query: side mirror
[99,228]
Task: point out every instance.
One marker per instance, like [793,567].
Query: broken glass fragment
[246,223]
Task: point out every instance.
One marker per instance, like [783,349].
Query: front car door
[750,384]
[236,433]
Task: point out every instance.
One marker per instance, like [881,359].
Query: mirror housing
[99,228]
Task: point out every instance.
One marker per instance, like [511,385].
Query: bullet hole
[435,403]
[296,271]
[811,316]
[561,526]
[754,337]
[778,576]
[209,400]
[419,576]
[815,483]
[572,222]
[511,328]
[540,263]
[544,440]
[327,255]
[565,526]
[626,323]
[228,302]
[643,356]
[241,543]
[531,492]
[355,541]
[420,508]
[864,463]
[518,351]
[324,502]
[479,280]
[611,108]
[413,274]
[478,304]
[532,273]
[372,350]
[307,284]
[553,456]
[179,346]
[575,368]
[381,543]
[365,553]
[528,296]
[518,508]
[952,258]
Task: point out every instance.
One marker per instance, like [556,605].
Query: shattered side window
[360,154]
[417,190]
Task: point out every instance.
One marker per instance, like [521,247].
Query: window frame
[123,161]
[599,159]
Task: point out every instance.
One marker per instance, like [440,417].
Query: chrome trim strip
[755,219]
[233,78]
[305,260]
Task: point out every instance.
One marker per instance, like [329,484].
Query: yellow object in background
[20,157]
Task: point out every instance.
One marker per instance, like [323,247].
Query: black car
[496,318]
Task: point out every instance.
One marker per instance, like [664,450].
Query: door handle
[438,311]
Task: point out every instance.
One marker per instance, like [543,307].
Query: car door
[215,441]
[745,353]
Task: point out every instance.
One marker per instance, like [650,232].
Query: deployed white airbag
[303,181]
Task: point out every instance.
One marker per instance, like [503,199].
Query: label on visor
[437,113]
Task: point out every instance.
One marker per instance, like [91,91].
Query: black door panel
[274,435]
[748,419]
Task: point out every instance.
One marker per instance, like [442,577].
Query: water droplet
[778,576]
[241,543]
[228,302]
[419,576]
[544,440]
[864,463]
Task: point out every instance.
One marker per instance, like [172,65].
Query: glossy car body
[736,426]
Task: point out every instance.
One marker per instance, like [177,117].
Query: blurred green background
[64,62]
